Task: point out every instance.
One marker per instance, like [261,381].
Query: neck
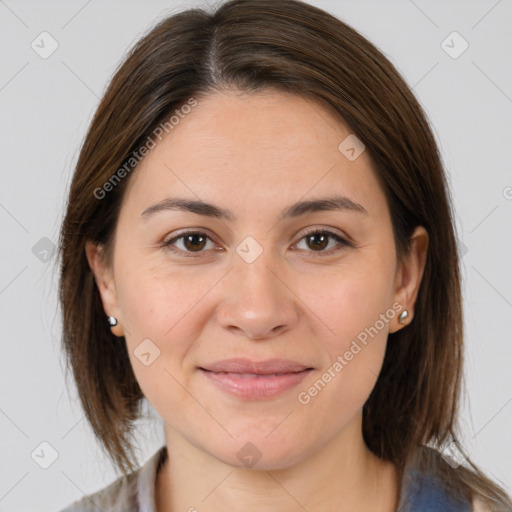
[342,476]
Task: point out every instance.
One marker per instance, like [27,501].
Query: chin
[259,453]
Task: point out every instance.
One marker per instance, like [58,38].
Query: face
[316,286]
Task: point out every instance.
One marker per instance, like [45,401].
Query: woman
[259,241]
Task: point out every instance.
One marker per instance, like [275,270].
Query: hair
[250,46]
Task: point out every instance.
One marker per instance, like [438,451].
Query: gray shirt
[136,493]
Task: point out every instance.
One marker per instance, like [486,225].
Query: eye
[191,241]
[319,240]
[196,241]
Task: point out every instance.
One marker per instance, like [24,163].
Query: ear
[409,275]
[104,278]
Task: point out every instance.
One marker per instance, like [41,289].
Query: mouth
[253,380]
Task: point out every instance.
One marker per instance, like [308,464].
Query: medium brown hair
[250,45]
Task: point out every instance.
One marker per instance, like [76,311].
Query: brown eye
[190,242]
[317,241]
[194,242]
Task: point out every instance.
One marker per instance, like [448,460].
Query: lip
[254,380]
[266,367]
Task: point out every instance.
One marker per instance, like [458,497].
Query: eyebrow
[334,203]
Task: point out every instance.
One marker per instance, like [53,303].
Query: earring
[115,328]
[403,315]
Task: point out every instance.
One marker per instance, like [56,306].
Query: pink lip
[248,379]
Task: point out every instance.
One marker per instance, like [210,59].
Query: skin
[257,154]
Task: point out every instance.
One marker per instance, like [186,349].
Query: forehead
[262,123]
[266,146]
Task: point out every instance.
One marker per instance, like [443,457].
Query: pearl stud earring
[403,315]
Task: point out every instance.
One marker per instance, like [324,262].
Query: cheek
[160,311]
[355,309]
[349,298]
[156,310]
[157,301]
[353,357]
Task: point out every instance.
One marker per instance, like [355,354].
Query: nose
[257,302]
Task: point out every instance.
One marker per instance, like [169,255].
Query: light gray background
[46,106]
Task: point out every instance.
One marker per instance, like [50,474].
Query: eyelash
[190,254]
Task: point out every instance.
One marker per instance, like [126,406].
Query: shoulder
[117,496]
[426,492]
[132,492]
